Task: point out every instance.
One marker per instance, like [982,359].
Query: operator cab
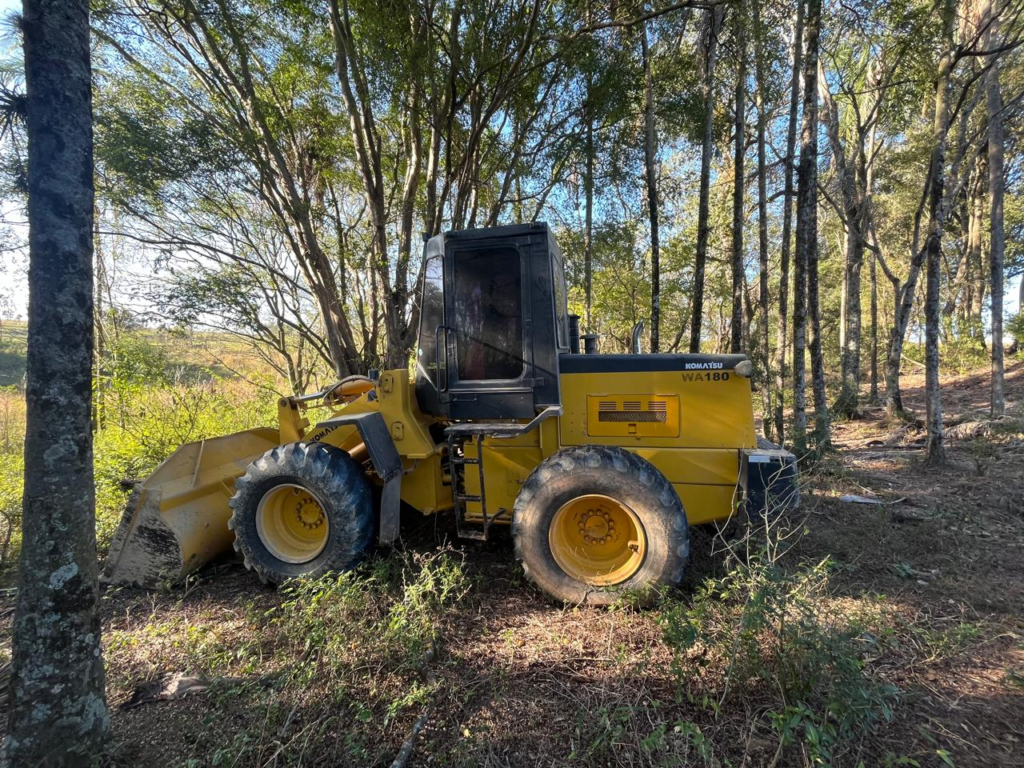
[493,321]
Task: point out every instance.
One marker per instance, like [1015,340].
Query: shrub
[388,610]
[773,636]
[12,473]
[148,408]
[1015,328]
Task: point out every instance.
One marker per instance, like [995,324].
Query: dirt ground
[520,682]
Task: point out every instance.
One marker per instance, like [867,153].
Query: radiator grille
[633,416]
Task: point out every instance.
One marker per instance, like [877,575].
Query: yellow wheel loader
[600,463]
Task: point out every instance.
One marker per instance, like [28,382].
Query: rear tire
[570,554]
[301,510]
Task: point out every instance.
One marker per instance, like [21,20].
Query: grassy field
[856,634]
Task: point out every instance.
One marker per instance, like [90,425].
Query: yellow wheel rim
[292,523]
[597,540]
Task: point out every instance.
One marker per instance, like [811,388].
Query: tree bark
[57,712]
[853,217]
[873,396]
[996,193]
[976,278]
[763,345]
[99,322]
[651,177]
[806,224]
[936,453]
[787,222]
[588,236]
[703,206]
[739,129]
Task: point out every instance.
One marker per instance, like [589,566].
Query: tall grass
[146,406]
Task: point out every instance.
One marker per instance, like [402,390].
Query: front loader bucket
[177,519]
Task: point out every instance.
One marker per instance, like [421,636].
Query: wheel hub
[309,513]
[597,540]
[292,523]
[596,526]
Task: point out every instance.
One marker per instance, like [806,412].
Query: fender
[386,463]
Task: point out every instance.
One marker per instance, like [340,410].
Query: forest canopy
[268,168]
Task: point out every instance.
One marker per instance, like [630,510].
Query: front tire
[301,510]
[594,523]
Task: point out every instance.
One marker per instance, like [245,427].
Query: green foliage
[964,347]
[772,633]
[388,611]
[12,473]
[1015,327]
[148,407]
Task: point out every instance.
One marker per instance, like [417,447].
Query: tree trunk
[57,713]
[588,236]
[787,222]
[739,126]
[976,277]
[996,192]
[367,150]
[936,453]
[1019,340]
[651,177]
[849,397]
[873,396]
[821,417]
[701,258]
[763,345]
[99,322]
[853,217]
[806,225]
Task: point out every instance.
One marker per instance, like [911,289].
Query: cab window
[431,316]
[488,313]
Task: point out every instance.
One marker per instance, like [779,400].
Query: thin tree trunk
[763,344]
[806,223]
[588,191]
[903,304]
[822,435]
[936,453]
[588,237]
[651,177]
[1018,340]
[57,713]
[996,192]
[810,225]
[99,322]
[850,172]
[976,277]
[367,150]
[850,394]
[787,222]
[739,129]
[703,227]
[873,397]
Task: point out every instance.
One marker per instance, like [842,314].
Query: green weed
[771,636]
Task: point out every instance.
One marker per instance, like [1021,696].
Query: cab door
[487,333]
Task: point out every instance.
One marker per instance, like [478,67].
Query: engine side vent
[633,416]
[637,416]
